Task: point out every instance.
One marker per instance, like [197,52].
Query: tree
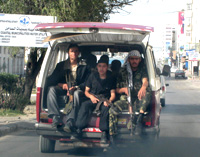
[65,10]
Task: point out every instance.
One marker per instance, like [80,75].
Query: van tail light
[148,123]
[38,103]
[163,88]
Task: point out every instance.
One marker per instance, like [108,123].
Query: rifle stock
[68,106]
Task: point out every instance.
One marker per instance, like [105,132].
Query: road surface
[179,136]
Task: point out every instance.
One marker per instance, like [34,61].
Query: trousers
[123,103]
[56,99]
[85,112]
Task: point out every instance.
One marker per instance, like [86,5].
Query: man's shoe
[138,129]
[104,139]
[79,133]
[56,121]
[74,138]
[69,126]
[112,141]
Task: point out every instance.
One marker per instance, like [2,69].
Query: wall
[12,65]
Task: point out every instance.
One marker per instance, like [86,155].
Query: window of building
[8,65]
[189,6]
[4,64]
[187,34]
[188,21]
[0,64]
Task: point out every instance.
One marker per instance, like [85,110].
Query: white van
[92,37]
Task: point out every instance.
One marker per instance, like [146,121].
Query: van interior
[59,53]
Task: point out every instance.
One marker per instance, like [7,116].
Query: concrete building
[192,36]
[170,44]
[11,64]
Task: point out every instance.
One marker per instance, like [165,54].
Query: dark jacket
[100,87]
[62,72]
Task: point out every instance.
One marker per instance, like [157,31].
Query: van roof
[59,25]
[70,29]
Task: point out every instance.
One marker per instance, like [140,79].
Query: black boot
[77,136]
[69,126]
[112,141]
[57,121]
[104,138]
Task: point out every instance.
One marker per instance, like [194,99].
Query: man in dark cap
[98,83]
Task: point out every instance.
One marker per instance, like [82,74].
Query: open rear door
[94,31]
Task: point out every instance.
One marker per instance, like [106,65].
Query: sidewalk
[190,77]
[12,124]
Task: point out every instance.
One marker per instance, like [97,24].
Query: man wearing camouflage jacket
[133,75]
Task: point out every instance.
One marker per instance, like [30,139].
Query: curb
[12,127]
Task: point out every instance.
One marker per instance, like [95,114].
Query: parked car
[163,90]
[95,37]
[179,74]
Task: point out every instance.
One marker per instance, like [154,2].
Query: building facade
[11,64]
[192,36]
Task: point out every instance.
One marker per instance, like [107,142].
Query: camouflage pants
[123,103]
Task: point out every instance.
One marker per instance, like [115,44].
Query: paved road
[179,136]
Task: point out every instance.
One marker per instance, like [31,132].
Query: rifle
[101,100]
[69,105]
[130,107]
[114,109]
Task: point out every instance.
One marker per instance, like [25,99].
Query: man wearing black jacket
[98,84]
[72,71]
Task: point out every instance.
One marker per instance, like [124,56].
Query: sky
[155,13]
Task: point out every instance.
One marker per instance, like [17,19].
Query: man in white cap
[133,75]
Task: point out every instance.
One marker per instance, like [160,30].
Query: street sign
[18,30]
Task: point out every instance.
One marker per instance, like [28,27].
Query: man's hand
[125,90]
[106,103]
[141,111]
[64,86]
[94,99]
[142,92]
[72,88]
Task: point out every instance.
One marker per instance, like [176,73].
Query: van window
[153,61]
[59,54]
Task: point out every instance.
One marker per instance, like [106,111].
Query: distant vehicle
[179,73]
[162,90]
[173,69]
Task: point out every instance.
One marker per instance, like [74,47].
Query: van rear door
[94,31]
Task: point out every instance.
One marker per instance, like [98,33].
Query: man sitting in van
[72,72]
[99,85]
[132,75]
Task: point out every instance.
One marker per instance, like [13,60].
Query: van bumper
[46,129]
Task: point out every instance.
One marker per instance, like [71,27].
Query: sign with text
[194,56]
[18,30]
